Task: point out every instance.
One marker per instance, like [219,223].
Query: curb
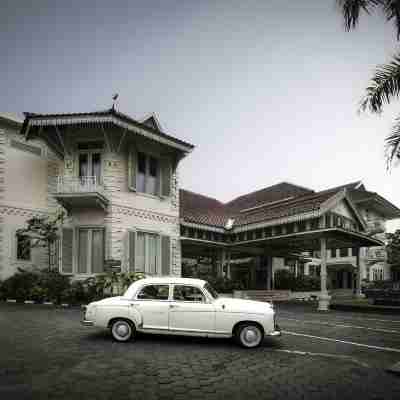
[394,369]
[366,309]
[45,303]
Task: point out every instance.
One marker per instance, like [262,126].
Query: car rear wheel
[249,335]
[122,330]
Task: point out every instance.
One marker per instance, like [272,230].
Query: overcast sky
[266,90]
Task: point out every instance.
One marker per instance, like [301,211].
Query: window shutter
[131,251]
[165,255]
[132,166]
[165,177]
[67,241]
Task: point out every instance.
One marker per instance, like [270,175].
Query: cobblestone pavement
[46,354]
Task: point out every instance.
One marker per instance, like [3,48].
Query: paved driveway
[46,354]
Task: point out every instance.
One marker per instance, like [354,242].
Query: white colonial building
[117,180]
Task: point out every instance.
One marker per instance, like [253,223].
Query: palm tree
[385,83]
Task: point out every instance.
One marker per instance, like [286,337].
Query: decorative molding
[20,211]
[146,214]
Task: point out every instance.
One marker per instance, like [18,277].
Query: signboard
[111,264]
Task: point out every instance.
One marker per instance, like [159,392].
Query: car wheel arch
[247,322]
[112,320]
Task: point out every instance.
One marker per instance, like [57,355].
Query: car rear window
[154,292]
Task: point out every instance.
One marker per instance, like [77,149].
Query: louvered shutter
[165,177]
[67,242]
[165,255]
[131,250]
[132,166]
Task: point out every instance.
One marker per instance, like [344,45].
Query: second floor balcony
[80,192]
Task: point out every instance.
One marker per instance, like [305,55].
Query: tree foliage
[393,249]
[42,232]
[385,83]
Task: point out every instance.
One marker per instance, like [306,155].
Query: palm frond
[393,144]
[385,85]
[391,9]
[351,9]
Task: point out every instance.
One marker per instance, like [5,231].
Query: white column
[358,274]
[220,272]
[228,264]
[268,260]
[324,298]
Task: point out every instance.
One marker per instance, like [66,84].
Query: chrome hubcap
[122,330]
[250,336]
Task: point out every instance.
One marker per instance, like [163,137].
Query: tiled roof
[277,201]
[103,113]
[267,195]
[301,204]
[200,209]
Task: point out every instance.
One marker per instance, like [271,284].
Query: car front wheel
[122,330]
[249,335]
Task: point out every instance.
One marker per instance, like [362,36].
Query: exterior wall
[23,194]
[127,210]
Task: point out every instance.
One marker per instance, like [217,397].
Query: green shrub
[223,284]
[285,280]
[19,285]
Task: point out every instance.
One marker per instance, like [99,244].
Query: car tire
[122,330]
[249,335]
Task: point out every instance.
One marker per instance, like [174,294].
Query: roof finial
[115,97]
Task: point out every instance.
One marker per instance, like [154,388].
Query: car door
[152,302]
[190,310]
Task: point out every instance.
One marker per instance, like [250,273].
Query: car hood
[241,305]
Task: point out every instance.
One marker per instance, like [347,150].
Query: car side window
[188,293]
[154,292]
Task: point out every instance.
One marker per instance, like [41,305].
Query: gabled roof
[348,186]
[111,116]
[151,121]
[375,201]
[266,195]
[283,200]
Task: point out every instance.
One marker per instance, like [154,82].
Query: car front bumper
[274,334]
[86,322]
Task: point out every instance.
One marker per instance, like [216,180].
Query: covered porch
[251,260]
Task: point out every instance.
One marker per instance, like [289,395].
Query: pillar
[358,274]
[228,264]
[324,298]
[222,261]
[268,261]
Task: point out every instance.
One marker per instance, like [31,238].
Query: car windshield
[211,290]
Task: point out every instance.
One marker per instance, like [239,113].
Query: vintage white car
[182,306]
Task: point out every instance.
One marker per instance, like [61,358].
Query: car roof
[171,280]
[166,280]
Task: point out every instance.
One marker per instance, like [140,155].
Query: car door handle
[173,306]
[134,304]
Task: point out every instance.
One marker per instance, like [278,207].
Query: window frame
[76,241]
[148,156]
[90,153]
[16,238]
[205,298]
[153,284]
[158,236]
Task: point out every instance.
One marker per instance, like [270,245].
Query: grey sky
[266,90]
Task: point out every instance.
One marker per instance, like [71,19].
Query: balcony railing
[81,184]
